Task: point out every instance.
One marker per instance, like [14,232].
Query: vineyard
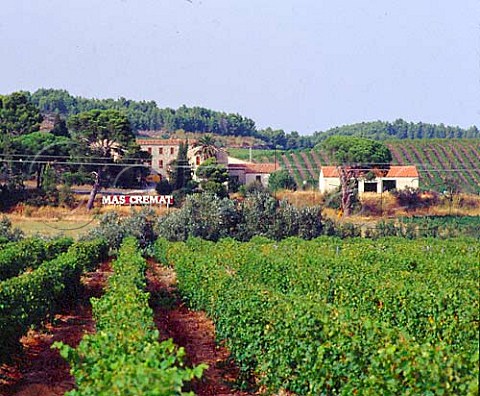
[124,355]
[328,316]
[436,160]
[331,316]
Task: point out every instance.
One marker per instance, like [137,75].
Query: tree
[180,170]
[355,157]
[163,187]
[103,138]
[281,180]
[205,147]
[17,115]
[40,148]
[213,177]
[59,127]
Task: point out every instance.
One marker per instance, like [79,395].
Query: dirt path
[40,370]
[193,331]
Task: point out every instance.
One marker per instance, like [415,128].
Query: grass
[257,155]
[71,228]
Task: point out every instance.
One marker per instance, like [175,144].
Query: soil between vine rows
[41,371]
[193,331]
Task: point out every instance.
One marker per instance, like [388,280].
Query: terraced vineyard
[436,160]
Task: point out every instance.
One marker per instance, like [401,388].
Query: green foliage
[60,127]
[7,232]
[164,187]
[18,116]
[348,150]
[145,115]
[39,149]
[252,188]
[204,215]
[102,139]
[213,177]
[29,299]
[399,129]
[259,214]
[333,316]
[124,356]
[114,228]
[95,125]
[441,227]
[29,253]
[281,180]
[181,172]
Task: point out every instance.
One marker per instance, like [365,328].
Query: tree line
[96,147]
[400,129]
[146,115]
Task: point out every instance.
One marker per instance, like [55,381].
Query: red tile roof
[256,168]
[330,171]
[402,171]
[394,171]
[261,168]
[164,142]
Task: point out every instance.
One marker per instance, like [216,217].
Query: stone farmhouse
[395,177]
[164,151]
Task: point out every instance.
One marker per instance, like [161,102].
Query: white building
[247,173]
[396,177]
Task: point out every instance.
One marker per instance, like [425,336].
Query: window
[389,185]
[149,149]
[160,150]
[160,163]
[197,160]
[370,187]
[172,150]
[258,179]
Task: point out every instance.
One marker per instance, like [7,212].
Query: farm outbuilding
[394,177]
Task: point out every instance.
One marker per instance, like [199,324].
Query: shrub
[280,180]
[113,228]
[163,187]
[259,214]
[7,232]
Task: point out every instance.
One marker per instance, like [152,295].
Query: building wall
[165,153]
[327,184]
[404,182]
[252,178]
[238,172]
[401,183]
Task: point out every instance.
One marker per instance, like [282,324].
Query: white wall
[252,177]
[327,184]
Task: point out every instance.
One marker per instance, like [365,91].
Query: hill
[436,159]
[400,129]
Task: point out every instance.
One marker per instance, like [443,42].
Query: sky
[303,65]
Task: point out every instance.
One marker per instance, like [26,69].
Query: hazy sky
[300,65]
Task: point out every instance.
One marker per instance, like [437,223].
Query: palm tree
[205,147]
[104,148]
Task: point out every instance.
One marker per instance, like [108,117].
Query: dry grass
[74,222]
[301,198]
[375,205]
